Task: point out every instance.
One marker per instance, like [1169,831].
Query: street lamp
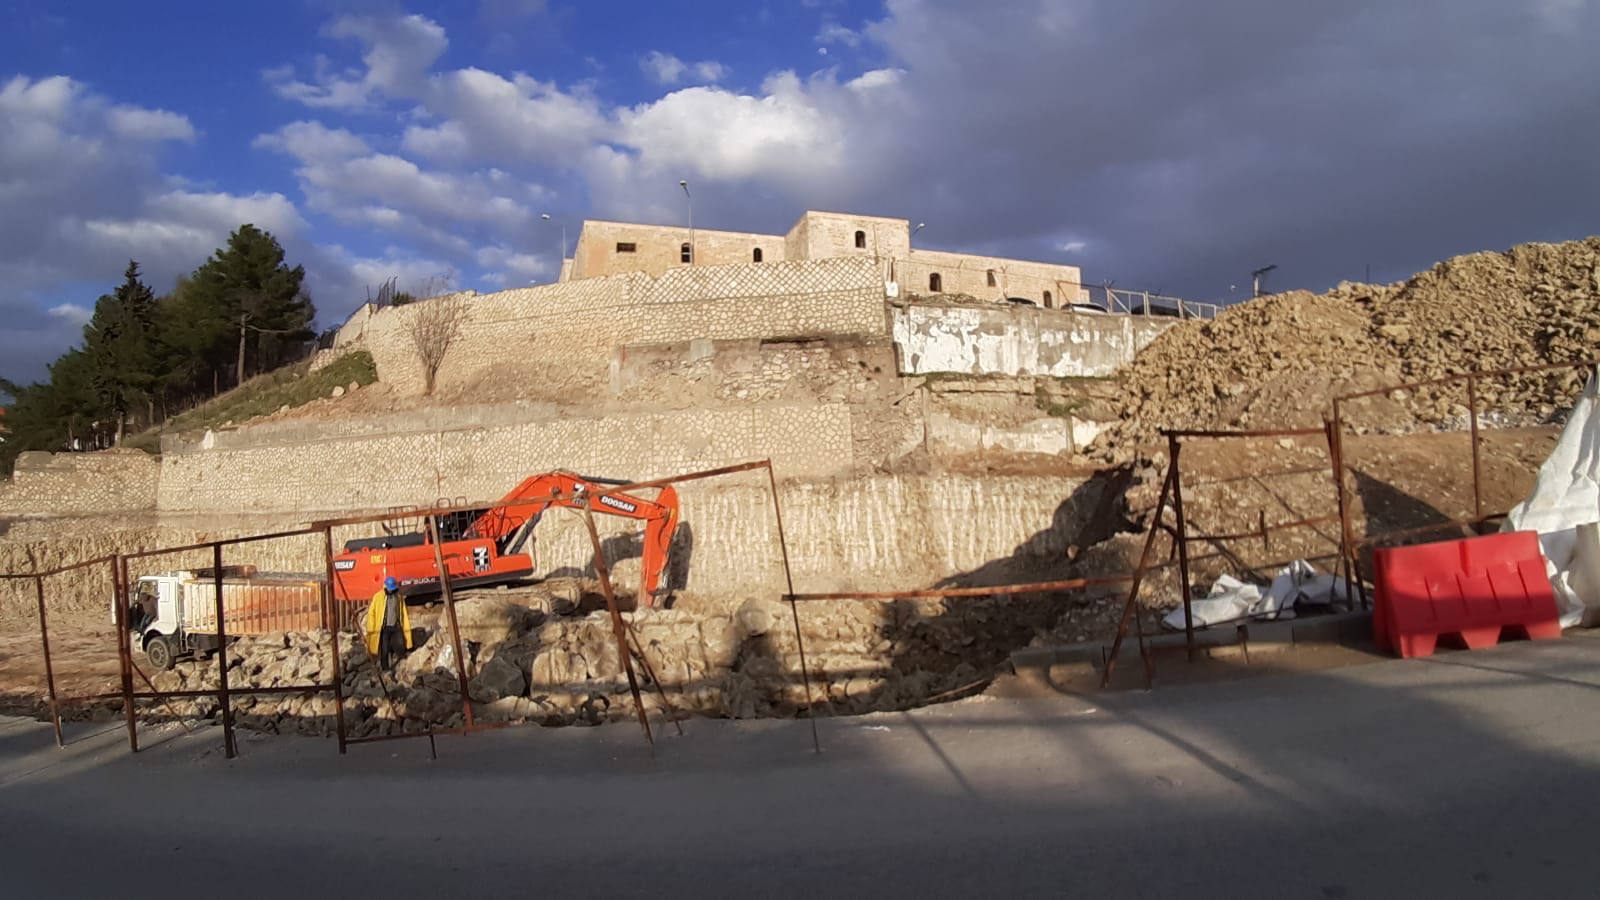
[689,198]
[1255,279]
[920,226]
[561,261]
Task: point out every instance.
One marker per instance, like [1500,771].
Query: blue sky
[1160,144]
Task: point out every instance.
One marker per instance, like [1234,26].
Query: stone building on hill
[615,248]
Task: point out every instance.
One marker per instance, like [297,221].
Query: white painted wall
[994,340]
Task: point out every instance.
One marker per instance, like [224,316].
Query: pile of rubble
[1278,361]
[529,662]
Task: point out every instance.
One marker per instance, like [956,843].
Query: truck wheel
[159,652]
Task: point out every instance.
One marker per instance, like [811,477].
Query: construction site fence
[236,606]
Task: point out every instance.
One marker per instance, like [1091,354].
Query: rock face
[735,660]
[1278,361]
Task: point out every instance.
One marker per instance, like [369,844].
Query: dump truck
[175,614]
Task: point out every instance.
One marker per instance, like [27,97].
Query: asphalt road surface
[1470,775]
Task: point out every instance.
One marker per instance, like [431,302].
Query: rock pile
[562,666]
[1278,361]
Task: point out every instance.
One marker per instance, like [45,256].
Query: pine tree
[121,344]
[246,291]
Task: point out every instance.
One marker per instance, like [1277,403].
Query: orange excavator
[486,546]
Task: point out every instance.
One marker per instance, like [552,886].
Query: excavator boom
[489,548]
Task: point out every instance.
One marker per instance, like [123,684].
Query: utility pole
[690,201]
[561,261]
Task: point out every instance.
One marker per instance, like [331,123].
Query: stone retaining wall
[80,483]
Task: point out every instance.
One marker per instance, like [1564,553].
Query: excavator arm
[487,547]
[512,526]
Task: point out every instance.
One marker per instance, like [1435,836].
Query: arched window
[861,240]
[685,254]
[991,278]
[1046,299]
[935,283]
[755,255]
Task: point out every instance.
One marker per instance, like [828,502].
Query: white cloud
[710,71]
[834,33]
[136,124]
[1074,247]
[666,69]
[400,51]
[313,141]
[72,313]
[663,68]
[523,266]
[87,172]
[482,115]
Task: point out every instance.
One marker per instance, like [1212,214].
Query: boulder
[499,678]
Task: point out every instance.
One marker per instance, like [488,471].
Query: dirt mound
[1278,361]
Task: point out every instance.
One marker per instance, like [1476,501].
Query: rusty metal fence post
[331,617]
[1174,446]
[49,671]
[229,747]
[455,624]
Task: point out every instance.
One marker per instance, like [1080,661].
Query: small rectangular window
[626,247]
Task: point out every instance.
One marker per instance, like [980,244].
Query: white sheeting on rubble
[1563,509]
[1231,599]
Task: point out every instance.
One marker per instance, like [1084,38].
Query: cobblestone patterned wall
[348,471]
[78,483]
[565,331]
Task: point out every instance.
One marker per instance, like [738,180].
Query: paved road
[1475,775]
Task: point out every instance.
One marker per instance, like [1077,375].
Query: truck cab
[156,620]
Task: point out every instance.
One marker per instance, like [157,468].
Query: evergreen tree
[246,292]
[121,344]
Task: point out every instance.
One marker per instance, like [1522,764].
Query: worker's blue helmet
[390,584]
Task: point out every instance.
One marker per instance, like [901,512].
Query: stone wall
[80,483]
[420,457]
[561,335]
[873,533]
[977,340]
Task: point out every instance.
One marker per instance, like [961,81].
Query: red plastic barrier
[1473,589]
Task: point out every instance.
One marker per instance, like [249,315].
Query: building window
[1046,299]
[626,247]
[755,255]
[861,240]
[935,283]
[991,278]
[685,254]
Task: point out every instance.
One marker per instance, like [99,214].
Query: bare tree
[435,325]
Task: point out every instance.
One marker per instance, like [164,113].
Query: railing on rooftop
[1145,303]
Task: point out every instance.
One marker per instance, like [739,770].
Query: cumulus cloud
[87,172]
[136,124]
[398,53]
[666,69]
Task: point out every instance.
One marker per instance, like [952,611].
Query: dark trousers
[391,644]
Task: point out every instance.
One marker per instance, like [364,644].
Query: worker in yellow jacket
[388,624]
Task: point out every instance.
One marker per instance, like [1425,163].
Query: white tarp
[1563,508]
[1231,599]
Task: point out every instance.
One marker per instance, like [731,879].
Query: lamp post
[1255,279]
[920,226]
[561,261]
[689,199]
